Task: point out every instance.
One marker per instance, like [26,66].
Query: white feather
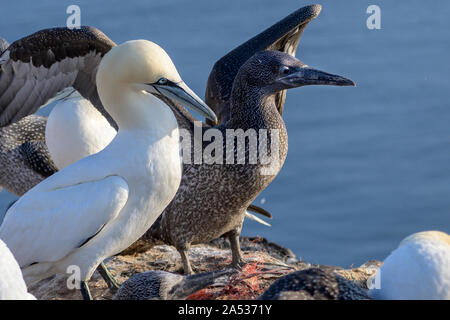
[257,219]
[75,130]
[12,286]
[62,227]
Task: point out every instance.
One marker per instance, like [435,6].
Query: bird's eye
[285,70]
[162,81]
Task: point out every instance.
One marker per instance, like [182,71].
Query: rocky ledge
[267,262]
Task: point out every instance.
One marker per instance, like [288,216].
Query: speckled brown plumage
[24,157]
[212,199]
[314,284]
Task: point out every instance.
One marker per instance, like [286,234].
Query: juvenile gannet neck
[249,101]
[419,269]
[101,204]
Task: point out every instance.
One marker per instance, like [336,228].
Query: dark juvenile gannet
[162,285]
[246,89]
[101,204]
[314,284]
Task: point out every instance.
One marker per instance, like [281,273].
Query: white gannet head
[142,65]
[418,269]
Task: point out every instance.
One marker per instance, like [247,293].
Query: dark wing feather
[37,157]
[259,210]
[35,68]
[282,36]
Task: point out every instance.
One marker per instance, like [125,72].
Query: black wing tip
[302,16]
[47,46]
[314,9]
[222,74]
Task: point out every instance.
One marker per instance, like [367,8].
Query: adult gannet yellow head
[437,236]
[142,65]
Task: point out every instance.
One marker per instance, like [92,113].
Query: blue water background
[366,166]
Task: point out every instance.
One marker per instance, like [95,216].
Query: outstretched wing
[35,68]
[282,36]
[47,224]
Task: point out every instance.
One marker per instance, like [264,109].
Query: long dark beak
[196,282]
[183,94]
[306,76]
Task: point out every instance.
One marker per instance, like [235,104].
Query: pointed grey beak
[306,76]
[196,282]
[183,94]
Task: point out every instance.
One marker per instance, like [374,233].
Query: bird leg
[85,292]
[237,260]
[186,263]
[108,277]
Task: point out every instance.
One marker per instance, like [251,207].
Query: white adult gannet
[12,286]
[419,269]
[101,204]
